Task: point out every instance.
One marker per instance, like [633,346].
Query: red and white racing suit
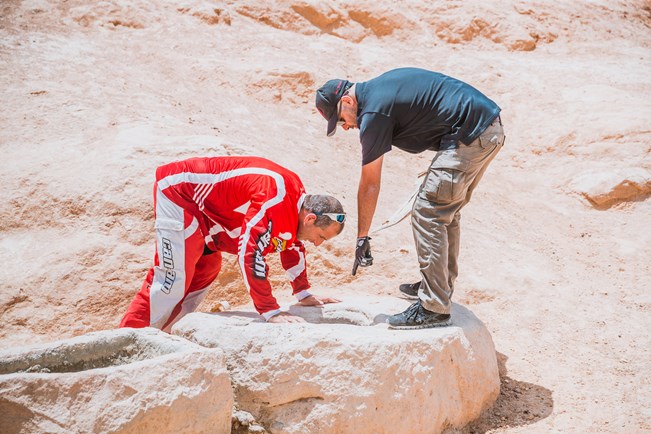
[246,206]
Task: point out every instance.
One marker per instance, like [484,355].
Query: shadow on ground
[519,404]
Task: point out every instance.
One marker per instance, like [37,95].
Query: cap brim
[332,126]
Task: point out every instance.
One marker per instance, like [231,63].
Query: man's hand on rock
[284,317]
[315,300]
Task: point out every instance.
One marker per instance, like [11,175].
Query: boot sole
[423,326]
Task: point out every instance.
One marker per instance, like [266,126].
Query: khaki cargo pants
[450,181]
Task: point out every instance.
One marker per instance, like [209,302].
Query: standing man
[247,206]
[418,110]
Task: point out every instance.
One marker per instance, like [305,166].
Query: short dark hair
[320,204]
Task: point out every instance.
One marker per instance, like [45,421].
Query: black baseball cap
[327,99]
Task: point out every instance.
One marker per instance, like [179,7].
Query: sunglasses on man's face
[338,217]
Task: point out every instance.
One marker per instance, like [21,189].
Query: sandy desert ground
[556,246]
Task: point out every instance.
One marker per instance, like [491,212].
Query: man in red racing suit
[247,206]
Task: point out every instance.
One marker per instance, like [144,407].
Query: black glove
[362,253]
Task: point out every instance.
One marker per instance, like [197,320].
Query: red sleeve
[255,239]
[293,260]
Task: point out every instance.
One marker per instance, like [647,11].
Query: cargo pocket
[443,185]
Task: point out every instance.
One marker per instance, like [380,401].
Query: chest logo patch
[279,245]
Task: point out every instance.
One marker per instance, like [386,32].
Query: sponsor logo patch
[259,266]
[168,263]
[279,245]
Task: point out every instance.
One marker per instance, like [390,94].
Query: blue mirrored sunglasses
[338,217]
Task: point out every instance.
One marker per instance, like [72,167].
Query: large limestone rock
[346,372]
[127,381]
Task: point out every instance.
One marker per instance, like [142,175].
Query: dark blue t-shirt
[416,110]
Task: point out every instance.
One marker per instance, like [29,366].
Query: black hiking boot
[410,290]
[417,317]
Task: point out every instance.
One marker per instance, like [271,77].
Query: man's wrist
[302,295]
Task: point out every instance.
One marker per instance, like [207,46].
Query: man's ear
[347,100]
[309,218]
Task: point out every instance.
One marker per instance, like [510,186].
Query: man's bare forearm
[367,196]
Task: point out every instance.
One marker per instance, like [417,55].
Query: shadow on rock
[519,404]
[239,314]
[381,318]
